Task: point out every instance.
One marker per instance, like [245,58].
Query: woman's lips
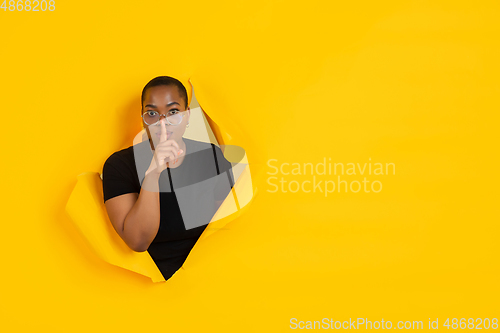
[169,134]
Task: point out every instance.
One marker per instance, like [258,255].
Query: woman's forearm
[142,222]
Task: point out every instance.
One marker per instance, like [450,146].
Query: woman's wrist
[151,181]
[150,172]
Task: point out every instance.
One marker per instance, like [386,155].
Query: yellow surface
[413,83]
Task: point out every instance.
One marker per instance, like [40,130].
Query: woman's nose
[165,116]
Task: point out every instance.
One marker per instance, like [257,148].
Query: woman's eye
[151,113]
[174,111]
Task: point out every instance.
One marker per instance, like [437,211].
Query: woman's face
[165,100]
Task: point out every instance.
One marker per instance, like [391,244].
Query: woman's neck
[182,144]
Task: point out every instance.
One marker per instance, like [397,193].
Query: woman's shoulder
[121,157]
[194,146]
[200,144]
[207,149]
[196,143]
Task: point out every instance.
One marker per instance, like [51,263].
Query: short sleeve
[225,180]
[117,178]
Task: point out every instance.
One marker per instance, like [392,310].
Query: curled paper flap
[86,209]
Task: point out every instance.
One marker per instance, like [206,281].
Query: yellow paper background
[414,83]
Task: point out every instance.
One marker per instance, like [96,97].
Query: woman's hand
[165,151]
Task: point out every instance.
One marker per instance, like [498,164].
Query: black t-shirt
[187,195]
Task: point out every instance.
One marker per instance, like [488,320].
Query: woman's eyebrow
[154,106]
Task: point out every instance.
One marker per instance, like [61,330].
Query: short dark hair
[165,81]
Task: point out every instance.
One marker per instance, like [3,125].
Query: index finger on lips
[163,133]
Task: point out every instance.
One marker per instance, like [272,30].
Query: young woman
[161,194]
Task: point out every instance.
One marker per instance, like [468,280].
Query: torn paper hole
[229,179]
